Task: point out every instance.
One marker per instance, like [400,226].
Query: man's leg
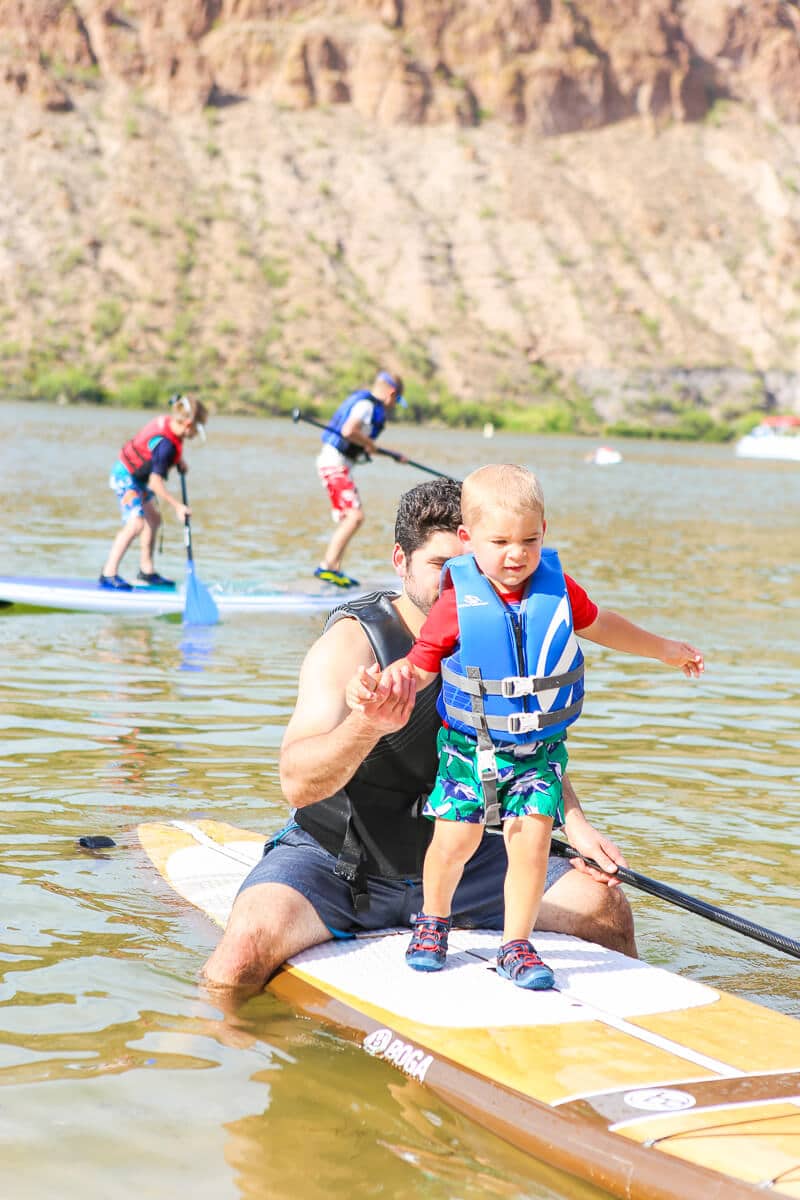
[581,906]
[291,900]
[269,923]
[346,511]
[340,538]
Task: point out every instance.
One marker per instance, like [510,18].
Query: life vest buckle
[516,685]
[525,722]
[487,764]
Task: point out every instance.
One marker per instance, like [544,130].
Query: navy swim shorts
[296,859]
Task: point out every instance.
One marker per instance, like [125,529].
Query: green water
[118,1077]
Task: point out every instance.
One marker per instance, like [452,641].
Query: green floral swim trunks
[525,786]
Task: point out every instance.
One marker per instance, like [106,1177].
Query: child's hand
[396,676]
[687,658]
[360,690]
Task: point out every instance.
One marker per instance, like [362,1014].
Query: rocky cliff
[492,193]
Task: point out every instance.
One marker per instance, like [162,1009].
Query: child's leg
[527,842]
[152,521]
[452,845]
[130,530]
[530,799]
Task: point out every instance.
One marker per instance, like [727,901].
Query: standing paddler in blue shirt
[350,435]
[138,477]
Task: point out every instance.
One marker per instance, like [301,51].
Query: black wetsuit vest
[373,824]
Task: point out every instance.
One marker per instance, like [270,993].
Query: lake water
[118,1077]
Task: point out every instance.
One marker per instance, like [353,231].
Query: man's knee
[269,923]
[614,918]
[578,905]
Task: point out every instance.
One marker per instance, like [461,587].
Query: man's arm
[353,430]
[586,840]
[618,633]
[325,742]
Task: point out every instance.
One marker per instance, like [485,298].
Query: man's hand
[385,698]
[588,841]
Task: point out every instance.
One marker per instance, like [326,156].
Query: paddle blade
[199,607]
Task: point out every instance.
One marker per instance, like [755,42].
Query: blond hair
[500,485]
[189,409]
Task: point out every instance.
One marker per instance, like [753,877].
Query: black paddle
[199,606]
[663,891]
[298,416]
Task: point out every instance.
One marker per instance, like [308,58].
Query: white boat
[776,437]
[603,456]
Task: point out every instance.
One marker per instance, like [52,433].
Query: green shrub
[108,318]
[147,391]
[70,384]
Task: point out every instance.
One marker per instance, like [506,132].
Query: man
[350,858]
[352,431]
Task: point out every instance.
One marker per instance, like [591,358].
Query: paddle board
[642,1082]
[83,595]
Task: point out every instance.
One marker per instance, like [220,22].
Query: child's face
[183,426]
[507,545]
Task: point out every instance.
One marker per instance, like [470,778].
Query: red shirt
[439,635]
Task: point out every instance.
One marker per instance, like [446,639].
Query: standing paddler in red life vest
[351,434]
[502,635]
[138,476]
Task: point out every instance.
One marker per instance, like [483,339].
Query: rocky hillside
[508,199]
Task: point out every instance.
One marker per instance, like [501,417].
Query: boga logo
[383,1044]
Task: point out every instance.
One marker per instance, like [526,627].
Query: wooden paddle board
[640,1081]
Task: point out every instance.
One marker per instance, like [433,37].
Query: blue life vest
[515,676]
[333,435]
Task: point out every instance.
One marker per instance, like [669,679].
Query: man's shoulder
[342,646]
[379,623]
[370,605]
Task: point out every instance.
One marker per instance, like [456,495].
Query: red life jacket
[137,454]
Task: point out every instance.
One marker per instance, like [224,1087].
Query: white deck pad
[372,968]
[461,996]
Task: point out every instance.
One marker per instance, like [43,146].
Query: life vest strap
[486,761]
[350,867]
[512,685]
[519,722]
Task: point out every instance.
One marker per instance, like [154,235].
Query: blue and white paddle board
[82,595]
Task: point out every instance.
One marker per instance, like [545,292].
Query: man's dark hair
[426,509]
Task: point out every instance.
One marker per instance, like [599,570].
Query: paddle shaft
[187,527]
[298,416]
[778,941]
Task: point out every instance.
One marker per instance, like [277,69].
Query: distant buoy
[488,430]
